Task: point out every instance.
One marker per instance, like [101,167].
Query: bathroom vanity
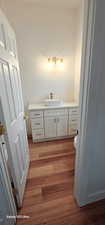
[53,122]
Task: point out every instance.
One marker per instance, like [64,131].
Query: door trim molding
[81,168]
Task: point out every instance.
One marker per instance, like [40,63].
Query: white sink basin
[53,102]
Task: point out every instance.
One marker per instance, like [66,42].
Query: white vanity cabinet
[62,126]
[50,127]
[49,123]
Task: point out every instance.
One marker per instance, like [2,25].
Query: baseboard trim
[52,139]
[99,195]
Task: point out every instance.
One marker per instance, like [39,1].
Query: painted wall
[41,33]
[78,52]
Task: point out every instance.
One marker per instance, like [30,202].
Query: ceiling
[61,4]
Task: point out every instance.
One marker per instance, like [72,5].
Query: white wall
[78,51]
[41,33]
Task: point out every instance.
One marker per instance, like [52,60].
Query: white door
[7,208]
[50,127]
[62,126]
[11,102]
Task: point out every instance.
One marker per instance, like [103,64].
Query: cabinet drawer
[72,131]
[55,112]
[35,114]
[73,125]
[37,123]
[73,111]
[73,120]
[38,134]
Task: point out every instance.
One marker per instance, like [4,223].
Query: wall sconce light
[55,60]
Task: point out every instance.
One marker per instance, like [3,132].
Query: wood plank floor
[49,197]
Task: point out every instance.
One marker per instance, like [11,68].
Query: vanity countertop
[43,107]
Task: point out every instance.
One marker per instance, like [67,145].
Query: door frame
[81,167]
[6,57]
[4,161]
[10,160]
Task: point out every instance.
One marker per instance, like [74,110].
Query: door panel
[18,157]
[8,89]
[2,35]
[62,126]
[50,127]
[16,87]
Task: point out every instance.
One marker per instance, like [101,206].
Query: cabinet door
[50,127]
[62,126]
